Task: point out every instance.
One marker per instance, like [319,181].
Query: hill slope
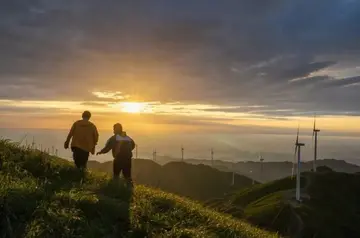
[330,206]
[276,170]
[200,182]
[43,196]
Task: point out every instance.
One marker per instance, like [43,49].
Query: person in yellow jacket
[84,137]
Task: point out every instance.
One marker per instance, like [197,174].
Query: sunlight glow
[132,107]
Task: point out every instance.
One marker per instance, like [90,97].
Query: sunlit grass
[44,196]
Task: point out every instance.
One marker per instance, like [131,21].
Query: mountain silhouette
[200,182]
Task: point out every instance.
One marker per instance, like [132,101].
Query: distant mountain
[275,170]
[330,206]
[200,182]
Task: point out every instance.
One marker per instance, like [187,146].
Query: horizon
[227,147]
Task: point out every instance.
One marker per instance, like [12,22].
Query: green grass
[332,209]
[246,196]
[44,196]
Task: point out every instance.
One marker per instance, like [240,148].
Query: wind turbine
[315,134]
[182,153]
[154,155]
[294,160]
[212,157]
[33,143]
[252,178]
[298,152]
[261,166]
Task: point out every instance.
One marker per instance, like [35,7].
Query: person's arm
[96,139]
[108,146]
[70,135]
[96,135]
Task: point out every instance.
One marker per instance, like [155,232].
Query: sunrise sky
[181,65]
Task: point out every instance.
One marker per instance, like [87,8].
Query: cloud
[274,54]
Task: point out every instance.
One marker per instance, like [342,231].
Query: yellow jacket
[84,135]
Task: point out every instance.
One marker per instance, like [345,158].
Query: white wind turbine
[315,142]
[298,146]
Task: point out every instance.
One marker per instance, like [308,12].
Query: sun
[133,107]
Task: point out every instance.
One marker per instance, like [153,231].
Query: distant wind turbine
[212,157]
[261,167]
[315,134]
[182,153]
[154,155]
[33,143]
[298,146]
[252,178]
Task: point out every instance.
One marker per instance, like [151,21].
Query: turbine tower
[315,134]
[212,157]
[298,146]
[154,155]
[261,167]
[182,153]
[33,143]
[252,178]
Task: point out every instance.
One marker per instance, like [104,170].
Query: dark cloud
[275,53]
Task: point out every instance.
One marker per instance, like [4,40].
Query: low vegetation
[44,196]
[330,206]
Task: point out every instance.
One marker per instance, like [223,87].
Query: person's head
[86,115]
[118,128]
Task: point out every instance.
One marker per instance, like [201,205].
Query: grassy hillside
[330,206]
[44,196]
[198,182]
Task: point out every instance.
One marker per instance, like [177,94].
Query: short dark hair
[118,127]
[86,115]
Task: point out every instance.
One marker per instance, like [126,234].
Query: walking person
[84,137]
[122,146]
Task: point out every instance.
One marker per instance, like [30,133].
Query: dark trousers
[80,157]
[122,164]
